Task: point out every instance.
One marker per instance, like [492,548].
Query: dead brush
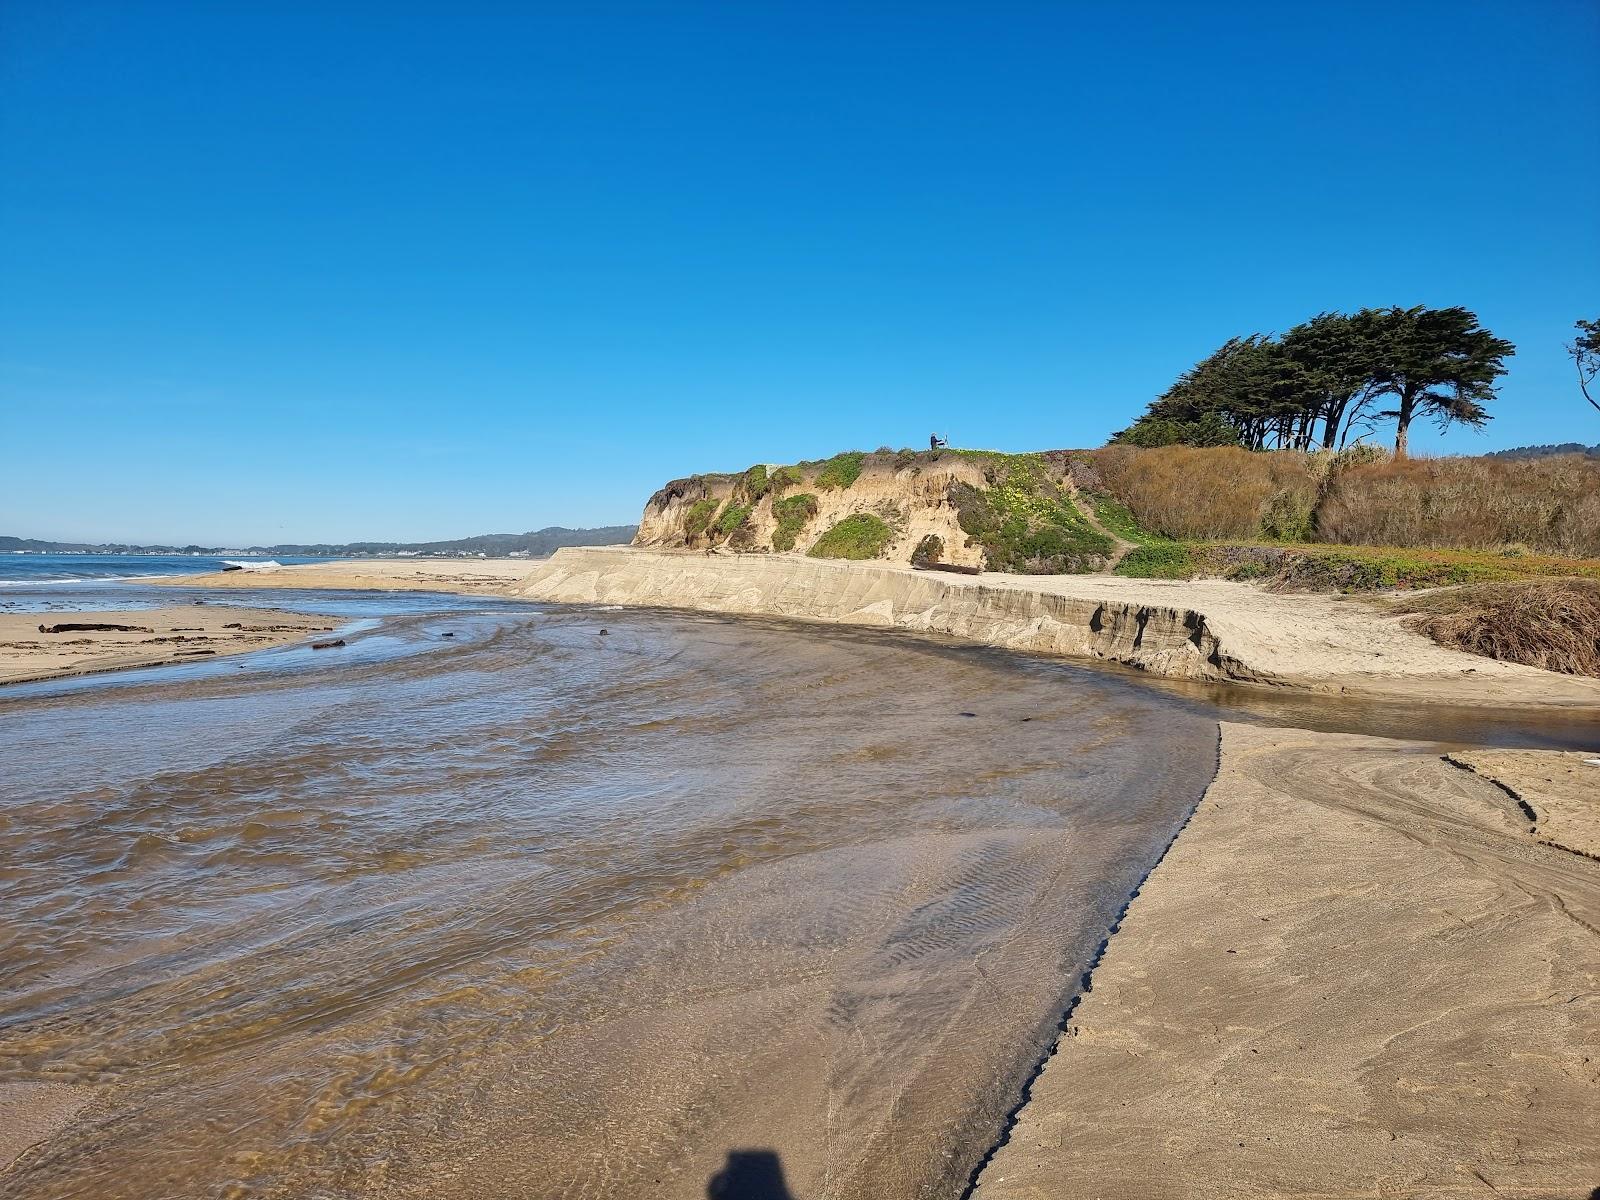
[1548,504]
[1548,623]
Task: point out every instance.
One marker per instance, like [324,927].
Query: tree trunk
[1403,424]
[1330,425]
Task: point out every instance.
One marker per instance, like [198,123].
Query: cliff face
[912,501]
[965,508]
[1168,640]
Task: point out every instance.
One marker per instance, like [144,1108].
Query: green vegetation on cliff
[840,471]
[860,536]
[1026,519]
[791,514]
[732,517]
[698,519]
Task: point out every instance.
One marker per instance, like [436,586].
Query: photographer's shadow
[749,1175]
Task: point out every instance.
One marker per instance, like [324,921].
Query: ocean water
[36,569]
[566,904]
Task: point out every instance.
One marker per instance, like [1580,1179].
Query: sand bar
[1356,973]
[180,633]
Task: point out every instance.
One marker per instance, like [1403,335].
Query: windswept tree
[1335,361]
[1323,379]
[1436,362]
[1585,351]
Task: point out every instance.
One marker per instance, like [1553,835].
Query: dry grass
[1206,494]
[1548,623]
[1549,504]
[1313,568]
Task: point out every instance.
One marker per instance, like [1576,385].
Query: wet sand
[1357,973]
[539,912]
[1558,793]
[179,633]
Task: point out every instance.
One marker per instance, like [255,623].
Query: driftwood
[92,627]
[953,568]
[327,645]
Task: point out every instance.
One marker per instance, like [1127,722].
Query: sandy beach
[1357,972]
[41,645]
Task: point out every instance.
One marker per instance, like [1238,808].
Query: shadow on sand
[749,1175]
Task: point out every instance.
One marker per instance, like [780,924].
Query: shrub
[1026,521]
[856,537]
[1288,515]
[905,459]
[1217,492]
[698,519]
[1159,560]
[732,517]
[1114,515]
[1374,568]
[840,471]
[1549,504]
[784,478]
[1548,623]
[929,550]
[755,484]
[791,513]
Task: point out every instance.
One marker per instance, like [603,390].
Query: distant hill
[534,544]
[1546,451]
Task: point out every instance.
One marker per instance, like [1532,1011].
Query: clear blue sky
[287,271]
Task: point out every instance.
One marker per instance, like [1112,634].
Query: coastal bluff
[1172,640]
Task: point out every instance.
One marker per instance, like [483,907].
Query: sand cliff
[916,501]
[1195,629]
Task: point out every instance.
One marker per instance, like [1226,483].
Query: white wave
[270,564]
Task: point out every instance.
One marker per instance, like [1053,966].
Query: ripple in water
[537,912]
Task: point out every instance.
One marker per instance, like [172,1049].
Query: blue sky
[326,271]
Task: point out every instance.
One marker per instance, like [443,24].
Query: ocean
[33,569]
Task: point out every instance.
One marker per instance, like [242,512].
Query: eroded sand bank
[1356,973]
[29,649]
[1197,629]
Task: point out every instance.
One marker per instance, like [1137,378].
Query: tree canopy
[1322,381]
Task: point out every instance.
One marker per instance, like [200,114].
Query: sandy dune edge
[1356,973]
[180,633]
[1195,629]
